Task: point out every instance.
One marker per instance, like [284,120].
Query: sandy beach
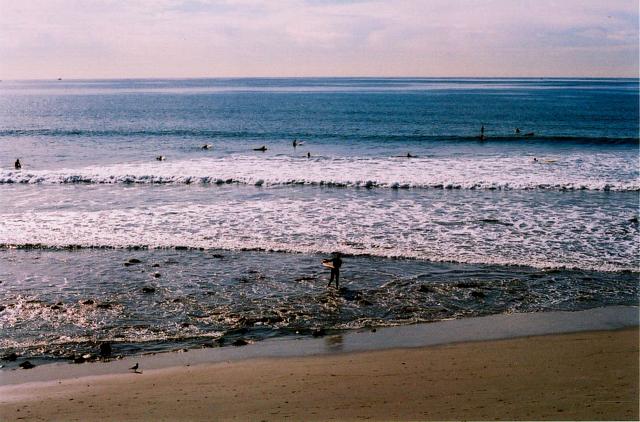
[580,376]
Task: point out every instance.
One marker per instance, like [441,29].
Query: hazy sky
[199,38]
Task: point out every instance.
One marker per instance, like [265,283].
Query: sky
[44,39]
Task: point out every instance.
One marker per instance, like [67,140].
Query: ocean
[102,242]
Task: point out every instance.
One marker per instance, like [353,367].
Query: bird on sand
[135,367]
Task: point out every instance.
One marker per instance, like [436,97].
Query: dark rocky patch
[467,285]
[88,302]
[148,289]
[26,365]
[10,357]
[247,322]
[478,294]
[240,342]
[274,319]
[236,331]
[156,265]
[350,295]
[104,305]
[157,275]
[132,261]
[425,289]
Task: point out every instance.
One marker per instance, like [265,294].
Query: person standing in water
[295,143]
[336,263]
[18,165]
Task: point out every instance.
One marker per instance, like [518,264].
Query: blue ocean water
[230,238]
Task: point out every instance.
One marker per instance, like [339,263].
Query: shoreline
[589,375]
[466,330]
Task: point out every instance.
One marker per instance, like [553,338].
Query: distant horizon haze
[107,39]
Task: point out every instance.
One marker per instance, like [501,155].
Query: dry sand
[588,376]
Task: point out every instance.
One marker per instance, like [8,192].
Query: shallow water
[61,303]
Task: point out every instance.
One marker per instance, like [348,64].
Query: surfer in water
[295,143]
[18,165]
[334,263]
[262,148]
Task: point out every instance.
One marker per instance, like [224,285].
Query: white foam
[605,172]
[460,229]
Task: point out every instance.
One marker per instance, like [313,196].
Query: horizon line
[124,78]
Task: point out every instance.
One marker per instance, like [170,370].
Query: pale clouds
[171,38]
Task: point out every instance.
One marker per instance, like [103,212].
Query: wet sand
[583,376]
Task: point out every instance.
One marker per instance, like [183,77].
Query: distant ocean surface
[230,239]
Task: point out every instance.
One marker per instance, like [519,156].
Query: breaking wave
[389,173]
